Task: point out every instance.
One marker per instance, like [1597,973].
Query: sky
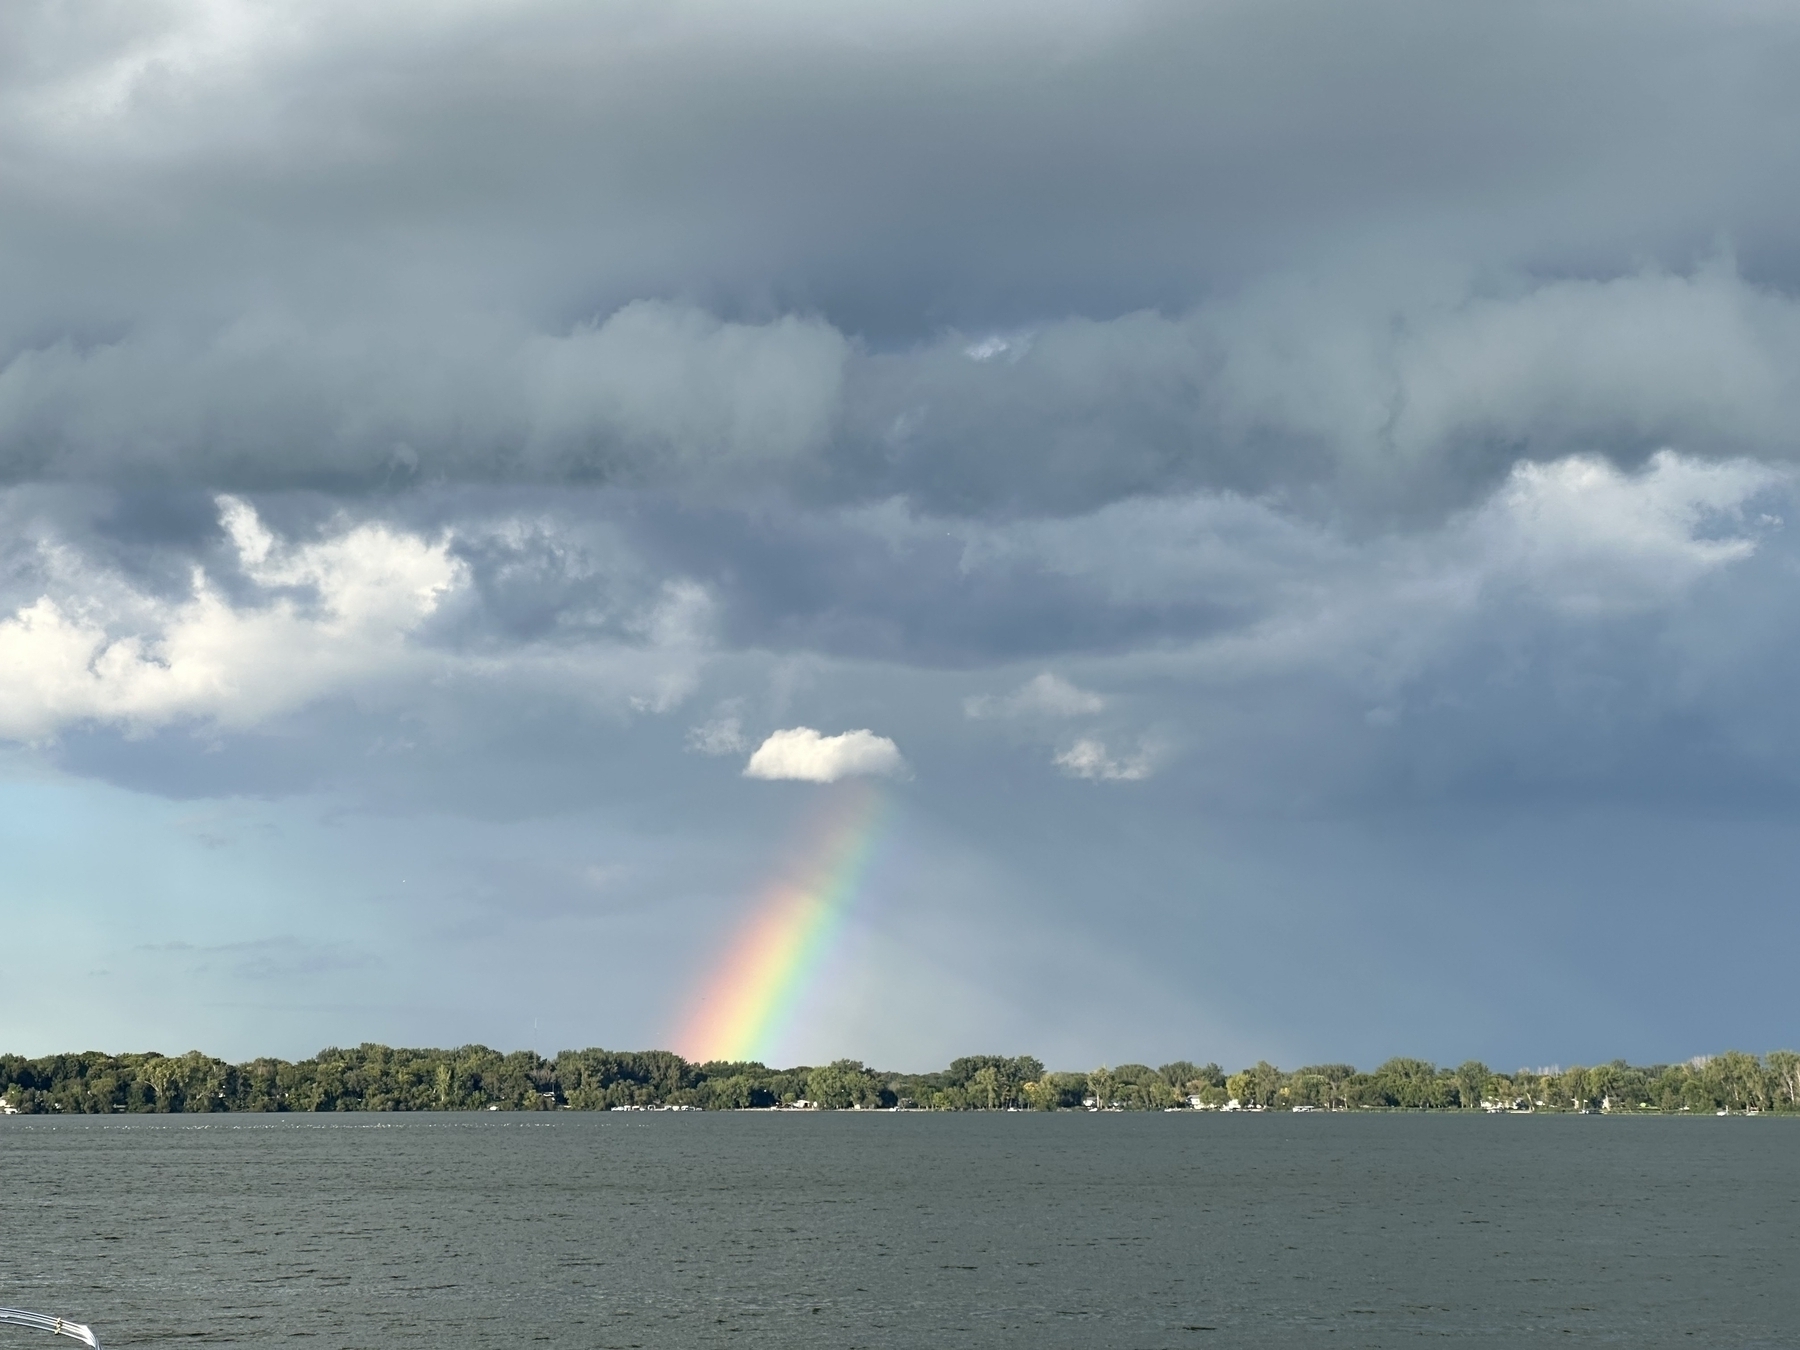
[1269,516]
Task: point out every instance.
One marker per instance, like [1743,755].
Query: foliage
[473,1077]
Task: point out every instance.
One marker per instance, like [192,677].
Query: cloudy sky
[1287,503]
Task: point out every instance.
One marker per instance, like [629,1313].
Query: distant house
[7,1108]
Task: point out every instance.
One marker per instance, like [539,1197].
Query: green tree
[1784,1069]
[1409,1083]
[1102,1086]
[1737,1080]
[1335,1080]
[1259,1085]
[1056,1091]
[986,1083]
[1002,1078]
[1471,1083]
[1181,1075]
[842,1084]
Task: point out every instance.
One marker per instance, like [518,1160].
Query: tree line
[473,1077]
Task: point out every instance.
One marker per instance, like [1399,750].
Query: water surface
[852,1229]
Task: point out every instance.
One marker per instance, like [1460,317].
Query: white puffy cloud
[1090,758]
[145,662]
[347,613]
[802,754]
[1590,539]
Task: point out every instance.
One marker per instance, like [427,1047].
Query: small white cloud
[1089,758]
[996,345]
[721,736]
[802,754]
[1045,695]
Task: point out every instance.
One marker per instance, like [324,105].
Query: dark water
[904,1230]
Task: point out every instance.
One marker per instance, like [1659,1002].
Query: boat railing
[56,1326]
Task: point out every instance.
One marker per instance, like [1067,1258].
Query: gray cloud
[1109,161]
[1269,248]
[1330,450]
[1291,389]
[1170,605]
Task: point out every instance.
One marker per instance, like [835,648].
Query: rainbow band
[747,1005]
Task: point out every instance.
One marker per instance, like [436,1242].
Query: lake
[903,1229]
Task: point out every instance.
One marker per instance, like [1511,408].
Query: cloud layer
[823,285]
[1298,481]
[1413,402]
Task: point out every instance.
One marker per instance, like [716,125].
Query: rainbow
[746,1004]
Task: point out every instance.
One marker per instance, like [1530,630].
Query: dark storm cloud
[942,165]
[1269,468]
[1417,397]
[1019,258]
